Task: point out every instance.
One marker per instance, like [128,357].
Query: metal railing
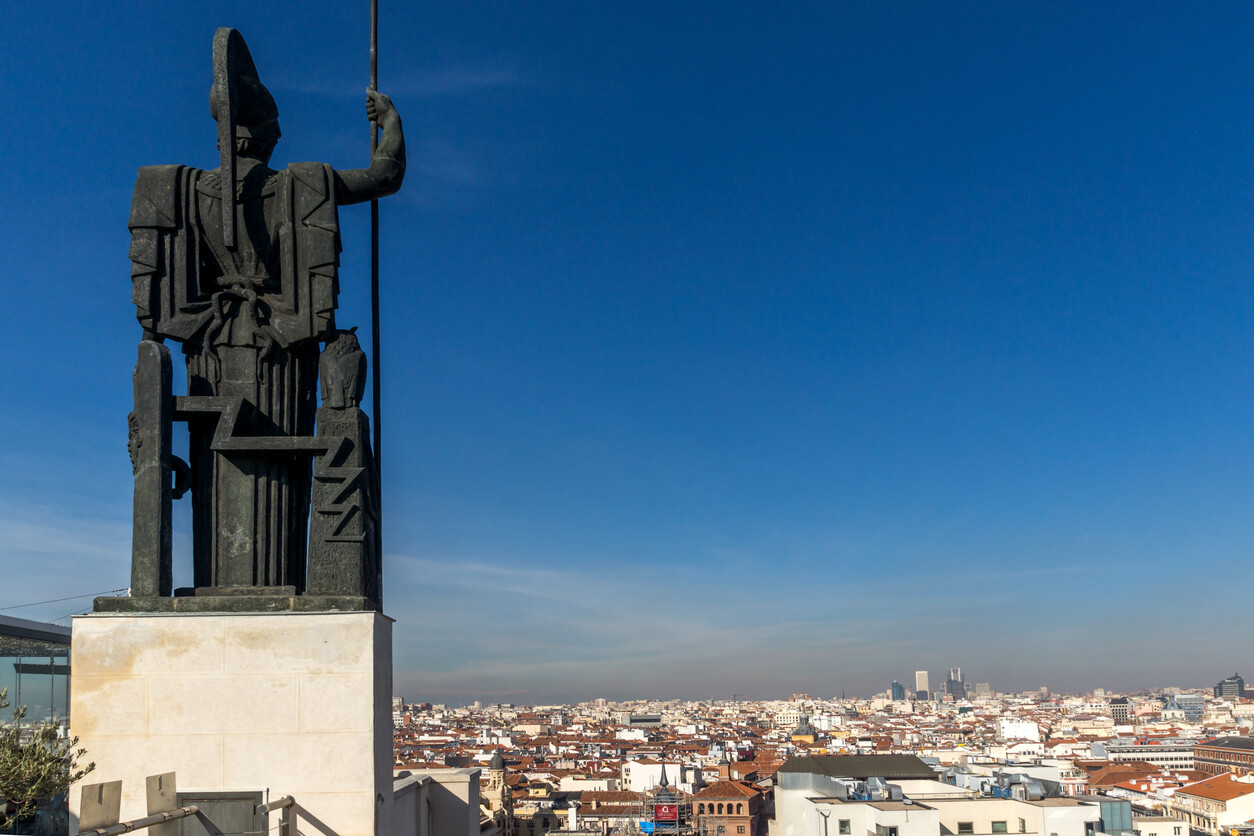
[278,804]
[146,821]
[287,821]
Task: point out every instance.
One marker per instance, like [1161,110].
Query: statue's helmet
[243,108]
[238,97]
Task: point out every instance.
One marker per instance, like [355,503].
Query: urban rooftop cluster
[955,760]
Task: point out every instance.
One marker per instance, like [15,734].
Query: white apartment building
[941,817]
[1044,817]
[1012,728]
[580,783]
[881,818]
[1166,755]
[643,775]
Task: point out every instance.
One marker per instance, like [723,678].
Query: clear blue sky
[729,347]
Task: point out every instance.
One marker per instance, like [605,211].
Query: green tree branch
[34,763]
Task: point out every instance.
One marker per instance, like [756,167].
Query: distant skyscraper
[954,685]
[898,691]
[920,681]
[1231,688]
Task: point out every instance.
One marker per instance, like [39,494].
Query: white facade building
[817,816]
[640,776]
[1157,826]
[1012,728]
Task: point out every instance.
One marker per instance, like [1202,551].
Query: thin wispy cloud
[484,578]
[47,532]
[591,621]
[646,630]
[58,553]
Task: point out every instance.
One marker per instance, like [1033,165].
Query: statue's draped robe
[250,320]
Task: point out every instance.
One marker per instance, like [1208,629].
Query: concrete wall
[1066,820]
[295,703]
[1158,826]
[795,813]
[411,808]
[453,799]
[1049,818]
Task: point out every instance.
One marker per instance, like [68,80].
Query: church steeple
[497,795]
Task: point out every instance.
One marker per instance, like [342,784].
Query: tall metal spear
[374,300]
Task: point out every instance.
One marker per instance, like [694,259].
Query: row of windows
[708,809]
[1219,769]
[1220,755]
[967,828]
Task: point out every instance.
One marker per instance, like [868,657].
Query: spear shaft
[374,299]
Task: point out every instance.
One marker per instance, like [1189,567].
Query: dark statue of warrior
[239,265]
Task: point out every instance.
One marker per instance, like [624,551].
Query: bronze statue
[240,266]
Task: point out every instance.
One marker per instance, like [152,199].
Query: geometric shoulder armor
[165,253]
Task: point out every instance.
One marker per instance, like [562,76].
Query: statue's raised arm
[387,165]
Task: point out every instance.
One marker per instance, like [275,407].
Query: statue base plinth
[207,602]
[205,591]
[294,703]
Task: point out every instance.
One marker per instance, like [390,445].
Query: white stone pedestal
[290,703]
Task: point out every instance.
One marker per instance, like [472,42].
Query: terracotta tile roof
[609,811]
[1220,788]
[727,789]
[1108,776]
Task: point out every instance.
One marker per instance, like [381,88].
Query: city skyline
[725,350]
[519,698]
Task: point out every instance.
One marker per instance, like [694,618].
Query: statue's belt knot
[244,289]
[238,281]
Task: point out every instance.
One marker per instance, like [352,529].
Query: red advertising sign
[666,812]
